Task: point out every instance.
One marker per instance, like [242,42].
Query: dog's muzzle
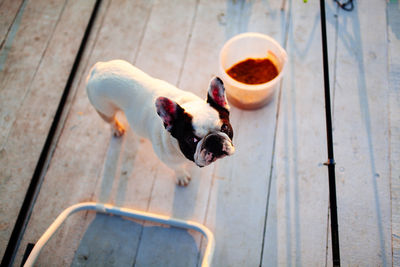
[212,147]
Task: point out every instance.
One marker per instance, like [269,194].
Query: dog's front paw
[182,178]
[118,129]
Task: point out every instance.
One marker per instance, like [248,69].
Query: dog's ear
[168,111]
[216,94]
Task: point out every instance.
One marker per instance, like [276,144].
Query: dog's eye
[226,128]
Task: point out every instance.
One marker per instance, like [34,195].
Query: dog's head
[202,128]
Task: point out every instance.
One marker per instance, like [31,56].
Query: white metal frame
[141,215]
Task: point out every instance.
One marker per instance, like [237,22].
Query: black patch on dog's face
[183,132]
[223,115]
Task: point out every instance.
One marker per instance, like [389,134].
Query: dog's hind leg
[118,129]
[107,111]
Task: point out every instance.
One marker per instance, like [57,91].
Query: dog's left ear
[216,94]
[169,111]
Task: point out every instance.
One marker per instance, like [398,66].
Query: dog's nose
[210,157]
[213,141]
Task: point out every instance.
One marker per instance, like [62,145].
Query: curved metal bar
[141,215]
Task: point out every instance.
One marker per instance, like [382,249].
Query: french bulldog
[181,126]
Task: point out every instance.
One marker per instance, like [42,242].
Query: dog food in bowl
[247,55]
[253,71]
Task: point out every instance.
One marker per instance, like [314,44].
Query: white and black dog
[179,124]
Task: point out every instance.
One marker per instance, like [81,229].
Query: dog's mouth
[212,147]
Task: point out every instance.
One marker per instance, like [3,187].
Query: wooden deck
[267,205]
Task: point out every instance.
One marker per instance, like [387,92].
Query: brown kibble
[253,71]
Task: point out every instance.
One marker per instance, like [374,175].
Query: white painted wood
[236,207]
[296,230]
[31,85]
[179,42]
[139,178]
[361,136]
[78,160]
[209,34]
[159,202]
[164,42]
[163,58]
[167,19]
[23,57]
[393,15]
[167,198]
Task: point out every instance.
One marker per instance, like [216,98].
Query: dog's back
[117,85]
[113,85]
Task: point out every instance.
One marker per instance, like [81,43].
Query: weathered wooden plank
[118,34]
[10,13]
[393,20]
[298,204]
[200,65]
[361,134]
[32,75]
[215,23]
[140,162]
[170,20]
[236,207]
[23,57]
[163,47]
[135,174]
[163,58]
